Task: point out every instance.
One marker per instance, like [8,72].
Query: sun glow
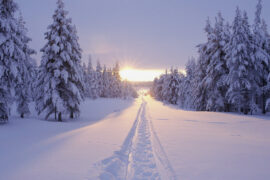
[140,75]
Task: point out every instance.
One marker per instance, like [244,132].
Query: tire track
[115,167]
[141,156]
[165,168]
[142,160]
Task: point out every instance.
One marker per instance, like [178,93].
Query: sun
[139,75]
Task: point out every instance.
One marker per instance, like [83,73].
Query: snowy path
[141,155]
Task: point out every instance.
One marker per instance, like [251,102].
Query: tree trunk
[245,111]
[263,103]
[22,115]
[55,114]
[60,117]
[71,115]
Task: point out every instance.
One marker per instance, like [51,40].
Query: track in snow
[141,155]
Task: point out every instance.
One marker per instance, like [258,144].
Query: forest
[60,83]
[231,73]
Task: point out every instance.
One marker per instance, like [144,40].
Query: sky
[142,34]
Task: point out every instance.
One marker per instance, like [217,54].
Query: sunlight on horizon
[140,75]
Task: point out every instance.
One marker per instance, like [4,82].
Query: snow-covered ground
[140,139]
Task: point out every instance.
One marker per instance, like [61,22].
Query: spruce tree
[98,79]
[216,69]
[186,97]
[116,81]
[22,88]
[200,92]
[14,59]
[261,55]
[90,76]
[242,77]
[171,89]
[105,83]
[60,81]
[158,87]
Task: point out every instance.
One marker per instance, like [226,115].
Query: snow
[136,139]
[207,145]
[37,149]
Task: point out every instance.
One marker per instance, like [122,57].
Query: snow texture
[142,139]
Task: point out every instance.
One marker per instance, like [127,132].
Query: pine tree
[158,87]
[32,85]
[98,79]
[186,98]
[92,81]
[216,69]
[108,82]
[242,77]
[89,66]
[116,81]
[14,58]
[127,90]
[60,76]
[85,80]
[22,88]
[261,55]
[266,89]
[165,83]
[171,88]
[200,92]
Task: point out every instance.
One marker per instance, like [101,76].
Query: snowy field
[136,139]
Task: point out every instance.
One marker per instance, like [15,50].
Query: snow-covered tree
[92,80]
[200,92]
[160,86]
[232,72]
[261,55]
[116,81]
[98,79]
[242,76]
[216,68]
[105,83]
[127,90]
[26,64]
[60,80]
[266,89]
[156,89]
[14,59]
[186,98]
[171,87]
[85,80]
[34,74]
[90,66]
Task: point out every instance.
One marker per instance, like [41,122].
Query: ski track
[141,155]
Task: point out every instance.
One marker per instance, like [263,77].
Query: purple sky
[140,33]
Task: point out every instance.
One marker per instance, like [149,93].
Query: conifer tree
[14,58]
[239,55]
[60,81]
[186,98]
[261,55]
[98,79]
[171,89]
[106,81]
[116,81]
[200,92]
[22,88]
[216,69]
[92,81]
